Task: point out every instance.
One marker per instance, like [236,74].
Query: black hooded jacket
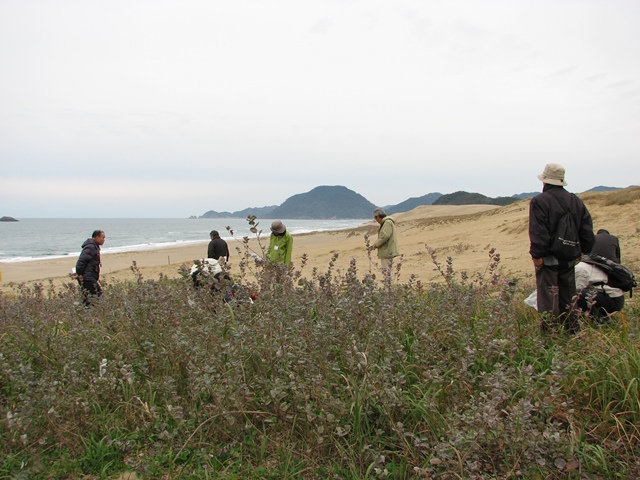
[545,211]
[607,245]
[217,248]
[88,264]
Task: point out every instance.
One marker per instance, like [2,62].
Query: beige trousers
[386,263]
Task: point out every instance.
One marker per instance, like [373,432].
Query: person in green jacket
[280,244]
[387,243]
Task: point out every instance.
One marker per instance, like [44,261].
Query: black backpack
[618,275]
[566,242]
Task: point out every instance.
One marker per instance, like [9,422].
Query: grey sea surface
[45,238]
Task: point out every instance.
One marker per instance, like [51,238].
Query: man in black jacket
[607,245]
[555,278]
[88,266]
[217,247]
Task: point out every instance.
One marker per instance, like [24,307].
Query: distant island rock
[8,219]
[261,212]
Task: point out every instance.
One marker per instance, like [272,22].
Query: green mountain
[522,196]
[412,203]
[602,188]
[325,202]
[466,198]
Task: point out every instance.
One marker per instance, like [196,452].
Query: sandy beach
[465,233]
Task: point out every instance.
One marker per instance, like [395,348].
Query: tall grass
[624,196]
[334,374]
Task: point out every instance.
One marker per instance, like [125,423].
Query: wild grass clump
[336,374]
[624,196]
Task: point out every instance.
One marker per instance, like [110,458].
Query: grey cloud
[632,94]
[513,42]
[419,25]
[562,72]
[462,25]
[595,78]
[322,26]
[621,84]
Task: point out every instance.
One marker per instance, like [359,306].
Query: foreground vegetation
[326,375]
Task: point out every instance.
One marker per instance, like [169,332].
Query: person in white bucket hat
[552,214]
[553,175]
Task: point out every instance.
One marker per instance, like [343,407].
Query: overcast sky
[152,108]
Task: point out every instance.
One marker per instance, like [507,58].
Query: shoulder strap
[558,201]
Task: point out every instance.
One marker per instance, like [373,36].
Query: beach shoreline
[465,235]
[167,261]
[39,270]
[313,250]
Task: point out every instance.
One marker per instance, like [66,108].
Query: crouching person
[594,295]
[209,273]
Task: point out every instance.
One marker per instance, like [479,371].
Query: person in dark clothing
[595,297]
[607,245]
[217,247]
[555,278]
[88,267]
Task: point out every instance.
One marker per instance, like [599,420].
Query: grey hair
[378,212]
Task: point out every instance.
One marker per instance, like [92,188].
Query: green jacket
[280,248]
[387,243]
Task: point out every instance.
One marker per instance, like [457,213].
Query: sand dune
[465,233]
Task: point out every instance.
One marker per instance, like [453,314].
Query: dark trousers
[598,303]
[91,290]
[556,288]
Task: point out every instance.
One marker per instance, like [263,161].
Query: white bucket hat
[553,174]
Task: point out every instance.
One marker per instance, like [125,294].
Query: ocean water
[37,239]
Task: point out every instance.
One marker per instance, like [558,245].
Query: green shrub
[335,375]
